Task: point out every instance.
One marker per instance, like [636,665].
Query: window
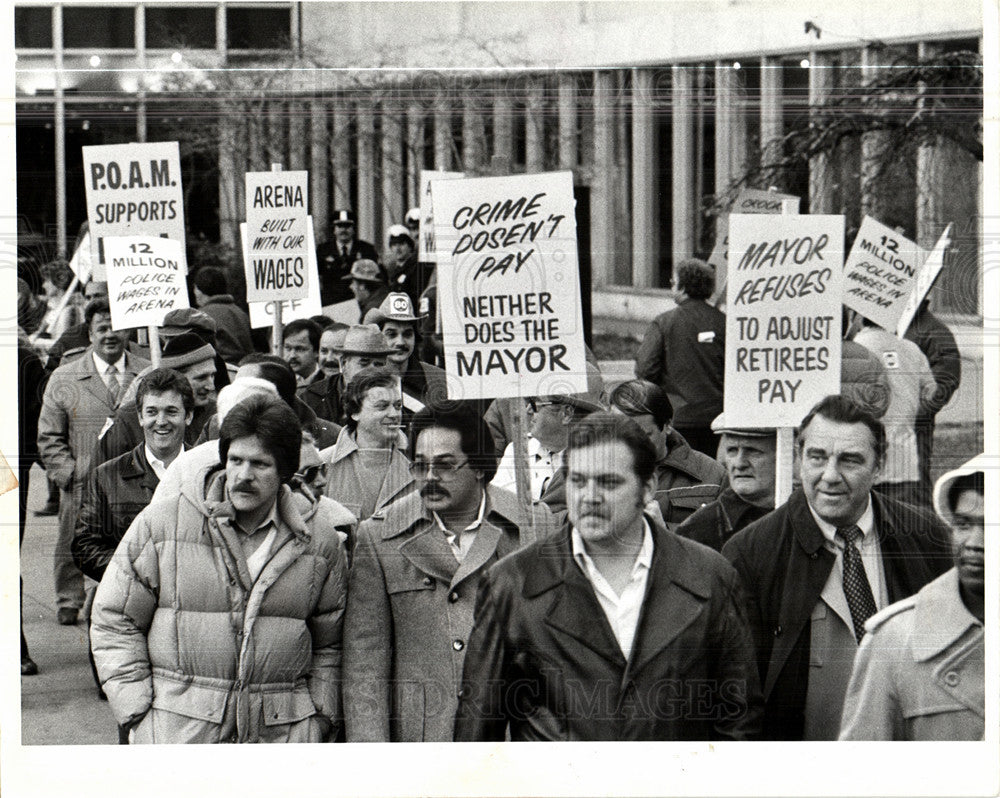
[33,28]
[180,27]
[258,28]
[99,27]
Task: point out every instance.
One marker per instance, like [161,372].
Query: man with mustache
[820,565]
[417,565]
[614,628]
[219,618]
[919,672]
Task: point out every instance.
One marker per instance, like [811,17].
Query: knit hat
[185,350]
[185,320]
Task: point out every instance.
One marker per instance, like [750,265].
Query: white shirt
[158,466]
[542,466]
[869,548]
[622,611]
[102,369]
[302,382]
[460,544]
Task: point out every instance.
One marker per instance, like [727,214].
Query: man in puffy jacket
[220,617]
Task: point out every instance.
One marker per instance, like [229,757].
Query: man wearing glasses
[417,566]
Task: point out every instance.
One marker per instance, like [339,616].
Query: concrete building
[655,106]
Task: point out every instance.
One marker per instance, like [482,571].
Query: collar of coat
[347,444]
[134,465]
[220,299]
[402,516]
[680,457]
[942,617]
[216,505]
[736,507]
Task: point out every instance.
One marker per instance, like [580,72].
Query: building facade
[656,107]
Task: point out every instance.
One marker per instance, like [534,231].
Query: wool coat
[191,649]
[409,615]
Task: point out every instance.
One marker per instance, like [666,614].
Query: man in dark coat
[233,336]
[336,257]
[684,351]
[819,566]
[405,273]
[614,628]
[749,456]
[368,284]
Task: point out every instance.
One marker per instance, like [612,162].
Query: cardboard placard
[277,245]
[509,285]
[82,261]
[145,280]
[880,272]
[426,249]
[133,190]
[928,273]
[749,200]
[783,325]
[262,313]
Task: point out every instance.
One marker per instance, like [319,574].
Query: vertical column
[296,135]
[229,210]
[276,132]
[415,151]
[220,33]
[568,148]
[255,145]
[602,188]
[241,156]
[820,83]
[393,190]
[340,157]
[295,22]
[534,119]
[503,125]
[366,172]
[771,122]
[59,123]
[645,238]
[872,146]
[442,132]
[140,61]
[683,155]
[726,119]
[472,134]
[319,172]
[927,210]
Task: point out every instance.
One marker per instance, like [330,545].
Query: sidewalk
[59,706]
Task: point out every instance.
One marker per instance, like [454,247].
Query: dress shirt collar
[102,366]
[473,526]
[302,382]
[866,523]
[644,560]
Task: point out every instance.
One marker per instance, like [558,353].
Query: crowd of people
[318,544]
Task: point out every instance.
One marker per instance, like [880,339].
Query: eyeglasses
[443,468]
[309,474]
[534,405]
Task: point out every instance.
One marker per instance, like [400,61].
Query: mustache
[428,490]
[244,487]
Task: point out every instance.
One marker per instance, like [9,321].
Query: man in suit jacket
[336,257]
[824,562]
[413,581]
[79,399]
[615,628]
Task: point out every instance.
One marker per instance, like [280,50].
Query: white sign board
[262,313]
[509,285]
[277,245]
[133,190]
[426,251]
[145,280]
[783,321]
[879,273]
[928,273]
[749,200]
[82,261]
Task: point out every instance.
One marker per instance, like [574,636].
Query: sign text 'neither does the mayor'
[509,286]
[276,264]
[783,336]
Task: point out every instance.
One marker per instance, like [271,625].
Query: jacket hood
[978,463]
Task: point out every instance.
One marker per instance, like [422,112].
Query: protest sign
[509,285]
[749,200]
[277,247]
[82,261]
[928,273]
[145,280]
[879,273]
[783,326]
[133,189]
[426,251]
[262,313]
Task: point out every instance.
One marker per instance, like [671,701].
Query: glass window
[33,28]
[180,27]
[258,28]
[99,27]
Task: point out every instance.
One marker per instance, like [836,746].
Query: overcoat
[543,658]
[409,615]
[784,565]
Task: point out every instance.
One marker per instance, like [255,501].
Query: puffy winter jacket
[190,648]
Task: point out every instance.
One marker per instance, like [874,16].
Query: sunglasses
[309,474]
[445,469]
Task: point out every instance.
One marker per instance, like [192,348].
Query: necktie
[345,251]
[856,587]
[113,385]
